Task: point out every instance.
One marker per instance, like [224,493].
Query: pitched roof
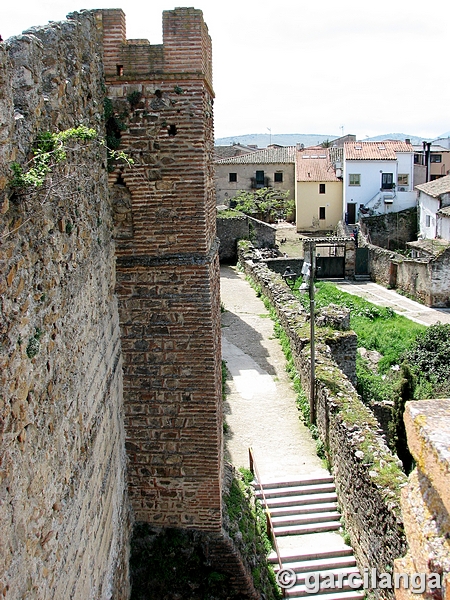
[232,150]
[435,188]
[272,154]
[384,150]
[314,164]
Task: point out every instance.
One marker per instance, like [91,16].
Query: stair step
[285,501]
[316,555]
[294,483]
[298,592]
[338,575]
[303,509]
[310,528]
[308,566]
[297,490]
[309,518]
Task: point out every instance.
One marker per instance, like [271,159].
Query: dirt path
[260,408]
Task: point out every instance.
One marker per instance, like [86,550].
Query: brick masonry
[167,269]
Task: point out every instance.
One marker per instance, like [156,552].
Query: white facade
[433,200]
[428,207]
[374,184]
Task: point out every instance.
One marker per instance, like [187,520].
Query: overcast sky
[304,66]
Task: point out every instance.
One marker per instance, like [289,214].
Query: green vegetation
[34,344]
[247,517]
[50,150]
[265,204]
[413,362]
[229,213]
[378,328]
[386,473]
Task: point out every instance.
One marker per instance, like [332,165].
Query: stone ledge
[428,429]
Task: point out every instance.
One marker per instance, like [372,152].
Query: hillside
[262,140]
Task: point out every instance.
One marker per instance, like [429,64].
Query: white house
[377,178]
[434,209]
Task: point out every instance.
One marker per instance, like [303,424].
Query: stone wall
[425,279]
[426,498]
[168,268]
[392,230]
[64,515]
[368,477]
[242,227]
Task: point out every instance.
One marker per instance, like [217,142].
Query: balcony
[256,183]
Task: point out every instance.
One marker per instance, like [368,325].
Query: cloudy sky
[304,66]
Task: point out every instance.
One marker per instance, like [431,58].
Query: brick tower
[160,112]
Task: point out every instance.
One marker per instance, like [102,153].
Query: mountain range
[262,140]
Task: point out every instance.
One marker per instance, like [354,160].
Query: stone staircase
[303,513]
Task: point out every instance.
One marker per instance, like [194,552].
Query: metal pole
[312,303]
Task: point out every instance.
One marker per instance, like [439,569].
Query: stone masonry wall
[392,230]
[367,476]
[426,498]
[425,279]
[168,269]
[64,516]
[242,227]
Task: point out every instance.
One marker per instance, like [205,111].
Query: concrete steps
[309,506]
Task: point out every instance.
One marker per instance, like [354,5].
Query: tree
[265,204]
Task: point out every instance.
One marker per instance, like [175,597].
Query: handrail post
[270,529]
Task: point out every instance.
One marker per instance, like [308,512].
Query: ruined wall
[425,279]
[368,477]
[64,516]
[167,268]
[242,227]
[426,498]
[392,230]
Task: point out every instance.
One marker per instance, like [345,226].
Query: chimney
[407,141]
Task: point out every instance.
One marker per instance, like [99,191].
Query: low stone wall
[367,476]
[229,231]
[279,265]
[242,227]
[425,279]
[426,498]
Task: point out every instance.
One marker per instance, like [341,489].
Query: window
[322,191]
[278,177]
[427,221]
[259,179]
[322,213]
[436,158]
[403,180]
[119,70]
[418,159]
[232,177]
[354,179]
[387,181]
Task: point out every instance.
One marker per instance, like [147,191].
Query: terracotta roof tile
[385,150]
[275,154]
[314,164]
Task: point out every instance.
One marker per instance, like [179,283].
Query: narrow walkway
[377,294]
[260,409]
